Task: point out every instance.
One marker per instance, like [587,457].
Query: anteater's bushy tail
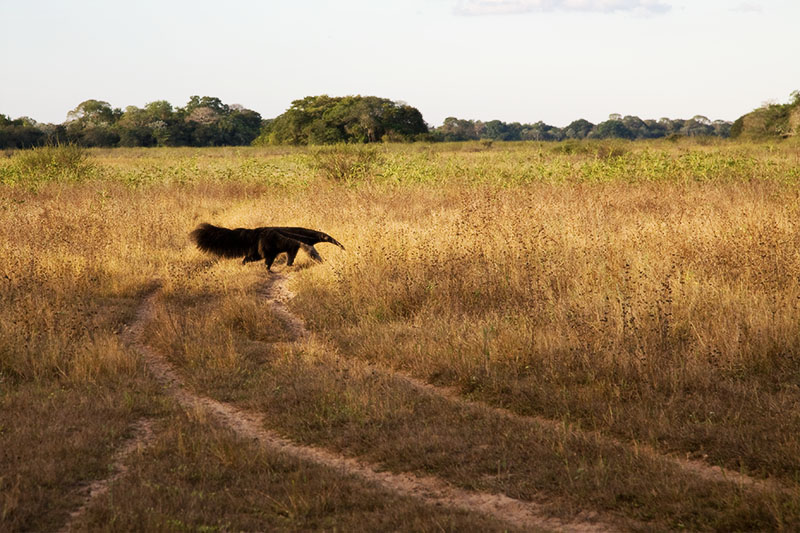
[224,242]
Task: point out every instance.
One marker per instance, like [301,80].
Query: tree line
[617,126]
[203,121]
[207,121]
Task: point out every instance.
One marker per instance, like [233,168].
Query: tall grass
[663,312]
[646,290]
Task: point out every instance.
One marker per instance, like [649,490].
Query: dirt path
[278,294]
[142,437]
[249,425]
[699,468]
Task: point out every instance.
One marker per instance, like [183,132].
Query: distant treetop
[360,119]
[204,121]
[617,126]
[770,121]
[323,119]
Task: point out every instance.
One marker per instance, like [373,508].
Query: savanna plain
[605,334]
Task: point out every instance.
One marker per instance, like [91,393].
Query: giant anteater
[259,243]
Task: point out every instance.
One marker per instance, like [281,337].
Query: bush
[605,149]
[344,162]
[573,146]
[55,162]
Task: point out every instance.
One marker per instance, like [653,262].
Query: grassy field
[607,332]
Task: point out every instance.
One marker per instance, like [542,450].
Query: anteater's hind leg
[253,254]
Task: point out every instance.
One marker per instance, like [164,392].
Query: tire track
[250,425]
[142,437]
[279,294]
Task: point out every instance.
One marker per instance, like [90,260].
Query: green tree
[134,128]
[654,129]
[722,128]
[94,112]
[496,130]
[456,129]
[240,126]
[165,124]
[636,126]
[207,121]
[611,129]
[206,102]
[404,121]
[542,132]
[324,120]
[697,126]
[91,123]
[578,129]
[22,132]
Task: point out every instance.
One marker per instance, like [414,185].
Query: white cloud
[506,7]
[748,7]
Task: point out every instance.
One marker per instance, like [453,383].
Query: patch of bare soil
[277,293]
[249,425]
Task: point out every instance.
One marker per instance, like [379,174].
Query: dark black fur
[259,243]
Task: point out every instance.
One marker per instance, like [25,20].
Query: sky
[512,60]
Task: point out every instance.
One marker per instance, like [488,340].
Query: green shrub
[55,162]
[344,162]
[601,149]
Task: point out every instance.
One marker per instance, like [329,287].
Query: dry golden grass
[667,313]
[242,488]
[648,291]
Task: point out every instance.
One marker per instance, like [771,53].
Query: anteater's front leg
[269,259]
[290,255]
